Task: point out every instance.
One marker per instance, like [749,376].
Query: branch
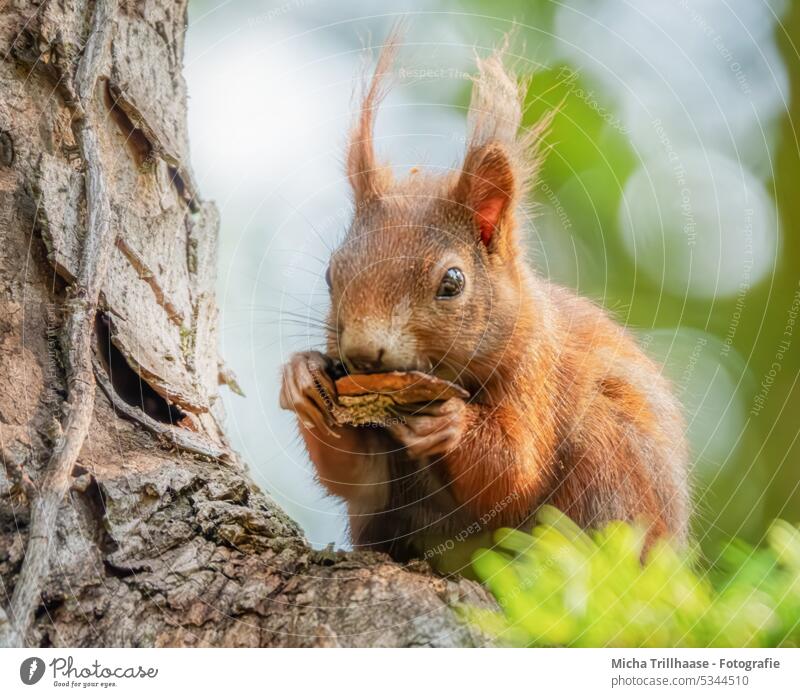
[80,312]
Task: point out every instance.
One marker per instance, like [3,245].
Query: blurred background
[670,196]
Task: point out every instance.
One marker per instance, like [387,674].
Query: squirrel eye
[452,283]
[328,277]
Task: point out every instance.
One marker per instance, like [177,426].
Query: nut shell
[373,398]
[403,387]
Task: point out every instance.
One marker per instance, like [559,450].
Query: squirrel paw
[436,432]
[300,395]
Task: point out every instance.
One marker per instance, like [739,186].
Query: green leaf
[560,586]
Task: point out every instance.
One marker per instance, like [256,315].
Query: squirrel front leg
[490,464]
[347,459]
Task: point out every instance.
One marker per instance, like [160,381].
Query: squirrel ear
[367,178]
[487,187]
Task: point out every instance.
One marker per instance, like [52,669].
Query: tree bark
[125,518]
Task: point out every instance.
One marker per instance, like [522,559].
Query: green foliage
[561,586]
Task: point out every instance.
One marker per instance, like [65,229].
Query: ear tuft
[367,179]
[500,163]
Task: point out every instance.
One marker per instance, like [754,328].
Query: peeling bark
[123,524]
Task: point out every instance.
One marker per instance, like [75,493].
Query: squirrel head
[430,275]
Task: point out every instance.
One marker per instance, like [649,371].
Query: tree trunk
[125,519]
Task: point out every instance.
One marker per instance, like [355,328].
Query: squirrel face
[402,283]
[430,274]
[414,286]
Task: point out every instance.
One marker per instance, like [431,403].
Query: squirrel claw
[429,435]
[300,395]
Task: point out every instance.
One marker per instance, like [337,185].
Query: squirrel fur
[565,408]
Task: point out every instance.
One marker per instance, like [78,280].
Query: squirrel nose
[365,360]
[371,348]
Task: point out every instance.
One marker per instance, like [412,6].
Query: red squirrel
[565,408]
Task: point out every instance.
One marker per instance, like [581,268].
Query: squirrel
[565,408]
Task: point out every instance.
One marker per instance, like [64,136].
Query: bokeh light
[668,196]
